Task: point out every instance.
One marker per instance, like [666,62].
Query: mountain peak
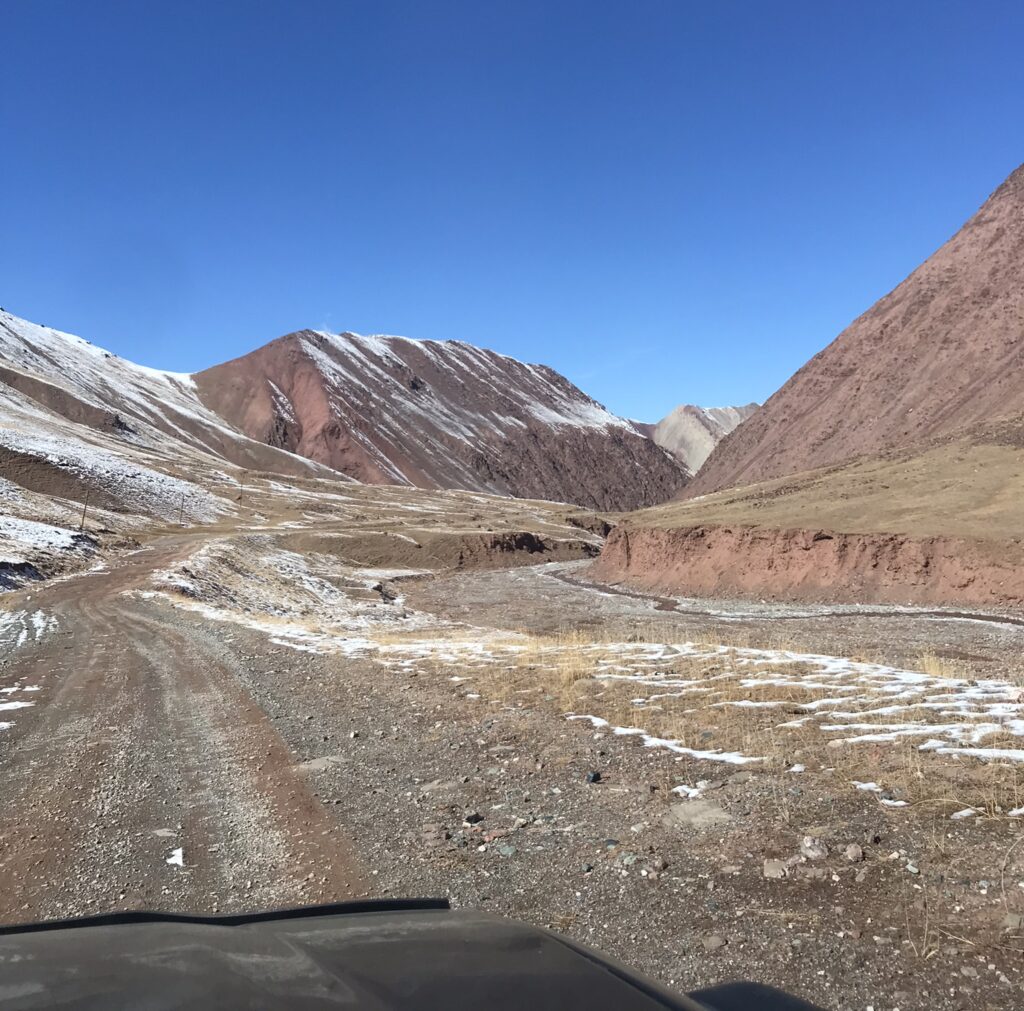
[389,409]
[690,433]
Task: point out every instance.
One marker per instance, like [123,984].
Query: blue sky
[666,201]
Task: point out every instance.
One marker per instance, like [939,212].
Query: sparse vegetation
[938,666]
[723,699]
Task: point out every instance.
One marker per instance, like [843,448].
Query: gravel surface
[286,776]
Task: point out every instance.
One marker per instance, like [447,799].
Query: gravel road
[143,740]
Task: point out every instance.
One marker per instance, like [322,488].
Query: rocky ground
[181,735]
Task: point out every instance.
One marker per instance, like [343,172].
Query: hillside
[381,410]
[970,485]
[943,351]
[70,378]
[939,523]
[438,414]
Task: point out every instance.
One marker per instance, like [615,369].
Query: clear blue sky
[666,201]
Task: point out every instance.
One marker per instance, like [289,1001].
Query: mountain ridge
[389,409]
[378,409]
[942,351]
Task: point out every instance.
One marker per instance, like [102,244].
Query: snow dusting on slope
[143,405]
[18,536]
[137,487]
[521,392]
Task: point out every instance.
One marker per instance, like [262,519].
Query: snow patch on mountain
[140,405]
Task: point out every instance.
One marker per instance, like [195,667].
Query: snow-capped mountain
[441,414]
[382,410]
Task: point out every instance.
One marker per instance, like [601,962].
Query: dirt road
[139,742]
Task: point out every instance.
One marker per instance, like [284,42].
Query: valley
[512,506]
[735,695]
[373,691]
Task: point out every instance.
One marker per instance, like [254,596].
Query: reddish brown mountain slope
[438,414]
[942,351]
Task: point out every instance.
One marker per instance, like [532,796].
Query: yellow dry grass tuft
[938,666]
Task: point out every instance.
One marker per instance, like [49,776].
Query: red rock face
[438,414]
[943,351]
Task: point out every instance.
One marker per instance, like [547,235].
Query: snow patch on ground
[252,576]
[730,757]
[859,702]
[18,536]
[690,792]
[17,628]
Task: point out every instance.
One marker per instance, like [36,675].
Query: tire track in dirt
[144,740]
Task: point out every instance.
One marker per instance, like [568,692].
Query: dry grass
[725,709]
[938,666]
[716,703]
[952,490]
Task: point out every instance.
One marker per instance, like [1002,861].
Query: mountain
[690,433]
[74,379]
[381,410]
[438,414]
[941,352]
[890,468]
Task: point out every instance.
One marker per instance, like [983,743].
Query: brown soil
[814,565]
[431,549]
